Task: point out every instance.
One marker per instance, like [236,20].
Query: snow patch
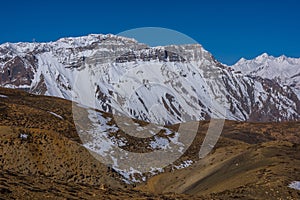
[295,185]
[185,164]
[3,96]
[24,136]
[56,115]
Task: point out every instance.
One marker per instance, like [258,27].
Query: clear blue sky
[229,29]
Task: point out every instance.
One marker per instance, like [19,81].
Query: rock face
[164,85]
[16,72]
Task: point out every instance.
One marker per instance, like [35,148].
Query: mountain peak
[281,58]
[242,60]
[94,38]
[262,57]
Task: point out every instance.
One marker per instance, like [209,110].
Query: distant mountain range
[164,85]
[283,69]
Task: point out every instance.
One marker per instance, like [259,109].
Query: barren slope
[42,156]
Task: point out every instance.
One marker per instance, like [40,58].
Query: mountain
[282,69]
[44,156]
[162,85]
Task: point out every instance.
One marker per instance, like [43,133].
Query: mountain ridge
[282,69]
[118,75]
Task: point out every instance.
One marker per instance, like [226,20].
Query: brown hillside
[41,156]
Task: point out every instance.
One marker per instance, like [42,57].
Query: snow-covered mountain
[282,69]
[162,85]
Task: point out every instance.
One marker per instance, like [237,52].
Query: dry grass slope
[41,157]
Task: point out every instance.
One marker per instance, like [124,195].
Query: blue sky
[228,29]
